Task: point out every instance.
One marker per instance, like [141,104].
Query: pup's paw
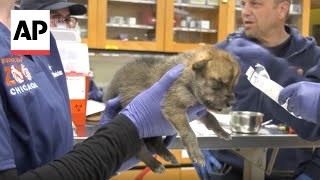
[224,135]
[169,157]
[159,169]
[172,160]
[199,159]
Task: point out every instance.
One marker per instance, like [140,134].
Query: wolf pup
[209,78]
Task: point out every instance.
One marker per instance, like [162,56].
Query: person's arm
[313,74]
[98,157]
[101,155]
[249,54]
[304,128]
[303,100]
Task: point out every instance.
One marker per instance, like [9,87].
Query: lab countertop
[265,138]
[252,147]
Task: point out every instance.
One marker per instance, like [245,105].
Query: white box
[204,24]
[295,9]
[131,21]
[213,2]
[198,2]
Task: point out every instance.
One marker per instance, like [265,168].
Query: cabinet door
[298,17]
[131,24]
[87,24]
[191,23]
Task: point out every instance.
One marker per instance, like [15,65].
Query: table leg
[254,163]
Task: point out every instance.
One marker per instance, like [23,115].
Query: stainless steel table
[252,147]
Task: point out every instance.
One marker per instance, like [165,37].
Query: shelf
[315,4]
[294,13]
[194,30]
[196,6]
[81,17]
[290,13]
[135,1]
[238,8]
[130,26]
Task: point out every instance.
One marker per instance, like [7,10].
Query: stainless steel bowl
[246,121]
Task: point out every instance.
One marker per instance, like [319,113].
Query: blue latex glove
[249,54]
[303,177]
[304,100]
[196,112]
[94,92]
[212,166]
[113,106]
[145,109]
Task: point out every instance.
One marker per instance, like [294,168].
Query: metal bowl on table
[246,121]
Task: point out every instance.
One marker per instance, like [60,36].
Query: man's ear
[199,65]
[283,9]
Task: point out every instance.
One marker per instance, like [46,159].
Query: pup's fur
[209,78]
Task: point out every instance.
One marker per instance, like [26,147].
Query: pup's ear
[199,65]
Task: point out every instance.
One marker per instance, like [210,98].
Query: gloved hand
[196,112]
[113,107]
[111,111]
[304,100]
[212,165]
[303,177]
[145,109]
[94,92]
[249,54]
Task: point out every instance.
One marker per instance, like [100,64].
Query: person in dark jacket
[62,14]
[289,58]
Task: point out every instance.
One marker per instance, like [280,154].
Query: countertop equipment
[246,121]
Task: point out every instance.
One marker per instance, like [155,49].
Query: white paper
[74,57]
[94,107]
[76,87]
[184,154]
[262,81]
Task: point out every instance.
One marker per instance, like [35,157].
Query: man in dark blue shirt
[288,58]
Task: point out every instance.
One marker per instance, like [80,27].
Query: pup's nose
[231,103]
[230,100]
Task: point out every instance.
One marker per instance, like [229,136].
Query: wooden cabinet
[131,24]
[87,24]
[169,25]
[190,23]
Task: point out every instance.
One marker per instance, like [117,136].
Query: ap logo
[30,32]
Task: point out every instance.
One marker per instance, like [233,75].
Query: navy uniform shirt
[35,118]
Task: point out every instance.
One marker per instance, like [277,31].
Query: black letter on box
[22,24]
[35,28]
